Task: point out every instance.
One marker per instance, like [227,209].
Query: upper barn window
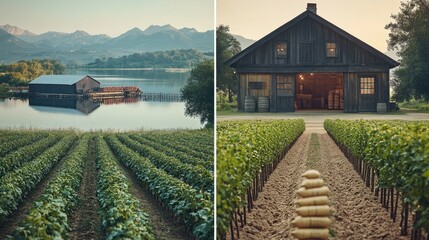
[281,50]
[331,49]
[367,85]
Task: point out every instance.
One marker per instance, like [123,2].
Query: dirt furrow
[85,221]
[357,214]
[274,208]
[163,224]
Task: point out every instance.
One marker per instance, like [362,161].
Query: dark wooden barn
[309,63]
[63,84]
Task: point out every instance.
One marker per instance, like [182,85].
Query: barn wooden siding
[86,84]
[52,88]
[312,33]
[306,37]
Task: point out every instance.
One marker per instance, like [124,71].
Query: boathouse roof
[59,79]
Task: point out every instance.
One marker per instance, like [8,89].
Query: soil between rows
[356,213]
[163,224]
[85,221]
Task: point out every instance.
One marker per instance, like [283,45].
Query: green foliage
[198,94]
[194,208]
[16,184]
[226,47]
[243,148]
[194,175]
[22,72]
[184,58]
[3,87]
[26,153]
[47,218]
[122,213]
[399,150]
[409,33]
[172,149]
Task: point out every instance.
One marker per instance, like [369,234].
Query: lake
[125,114]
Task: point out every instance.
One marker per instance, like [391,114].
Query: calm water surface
[88,115]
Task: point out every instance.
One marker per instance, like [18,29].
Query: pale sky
[111,17]
[364,19]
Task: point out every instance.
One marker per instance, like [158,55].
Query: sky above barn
[111,17]
[364,19]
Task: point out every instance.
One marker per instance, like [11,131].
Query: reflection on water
[118,114]
[85,106]
[18,113]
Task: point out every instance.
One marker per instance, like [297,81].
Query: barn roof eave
[232,61]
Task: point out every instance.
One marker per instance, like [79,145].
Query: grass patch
[313,158]
[415,105]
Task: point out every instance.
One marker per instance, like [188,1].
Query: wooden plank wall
[352,97]
[244,87]
[310,31]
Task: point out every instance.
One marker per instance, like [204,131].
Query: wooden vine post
[313,208]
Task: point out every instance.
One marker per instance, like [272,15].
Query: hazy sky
[365,19]
[112,17]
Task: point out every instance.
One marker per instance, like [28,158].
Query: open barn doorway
[319,91]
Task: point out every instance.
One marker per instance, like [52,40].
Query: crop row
[48,217]
[122,213]
[183,152]
[199,141]
[15,143]
[193,207]
[196,176]
[398,151]
[16,184]
[25,154]
[244,150]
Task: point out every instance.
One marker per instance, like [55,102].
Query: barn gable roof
[309,14]
[59,79]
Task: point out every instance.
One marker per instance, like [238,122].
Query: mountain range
[81,47]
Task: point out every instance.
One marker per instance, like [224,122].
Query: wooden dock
[161,97]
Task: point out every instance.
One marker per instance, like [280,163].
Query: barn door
[285,89]
[368,101]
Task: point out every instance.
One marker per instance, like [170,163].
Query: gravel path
[356,213]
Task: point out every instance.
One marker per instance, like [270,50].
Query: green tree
[198,93]
[226,47]
[409,34]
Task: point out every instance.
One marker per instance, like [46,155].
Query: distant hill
[163,59]
[244,42]
[81,47]
[11,44]
[16,30]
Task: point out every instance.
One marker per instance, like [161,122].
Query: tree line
[184,58]
[24,71]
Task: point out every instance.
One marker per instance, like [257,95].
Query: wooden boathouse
[309,63]
[63,84]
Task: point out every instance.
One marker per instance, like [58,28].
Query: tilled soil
[163,224]
[356,213]
[85,221]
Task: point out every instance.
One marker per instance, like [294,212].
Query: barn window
[284,86]
[281,50]
[367,85]
[331,49]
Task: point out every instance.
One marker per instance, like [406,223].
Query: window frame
[365,87]
[327,49]
[276,53]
